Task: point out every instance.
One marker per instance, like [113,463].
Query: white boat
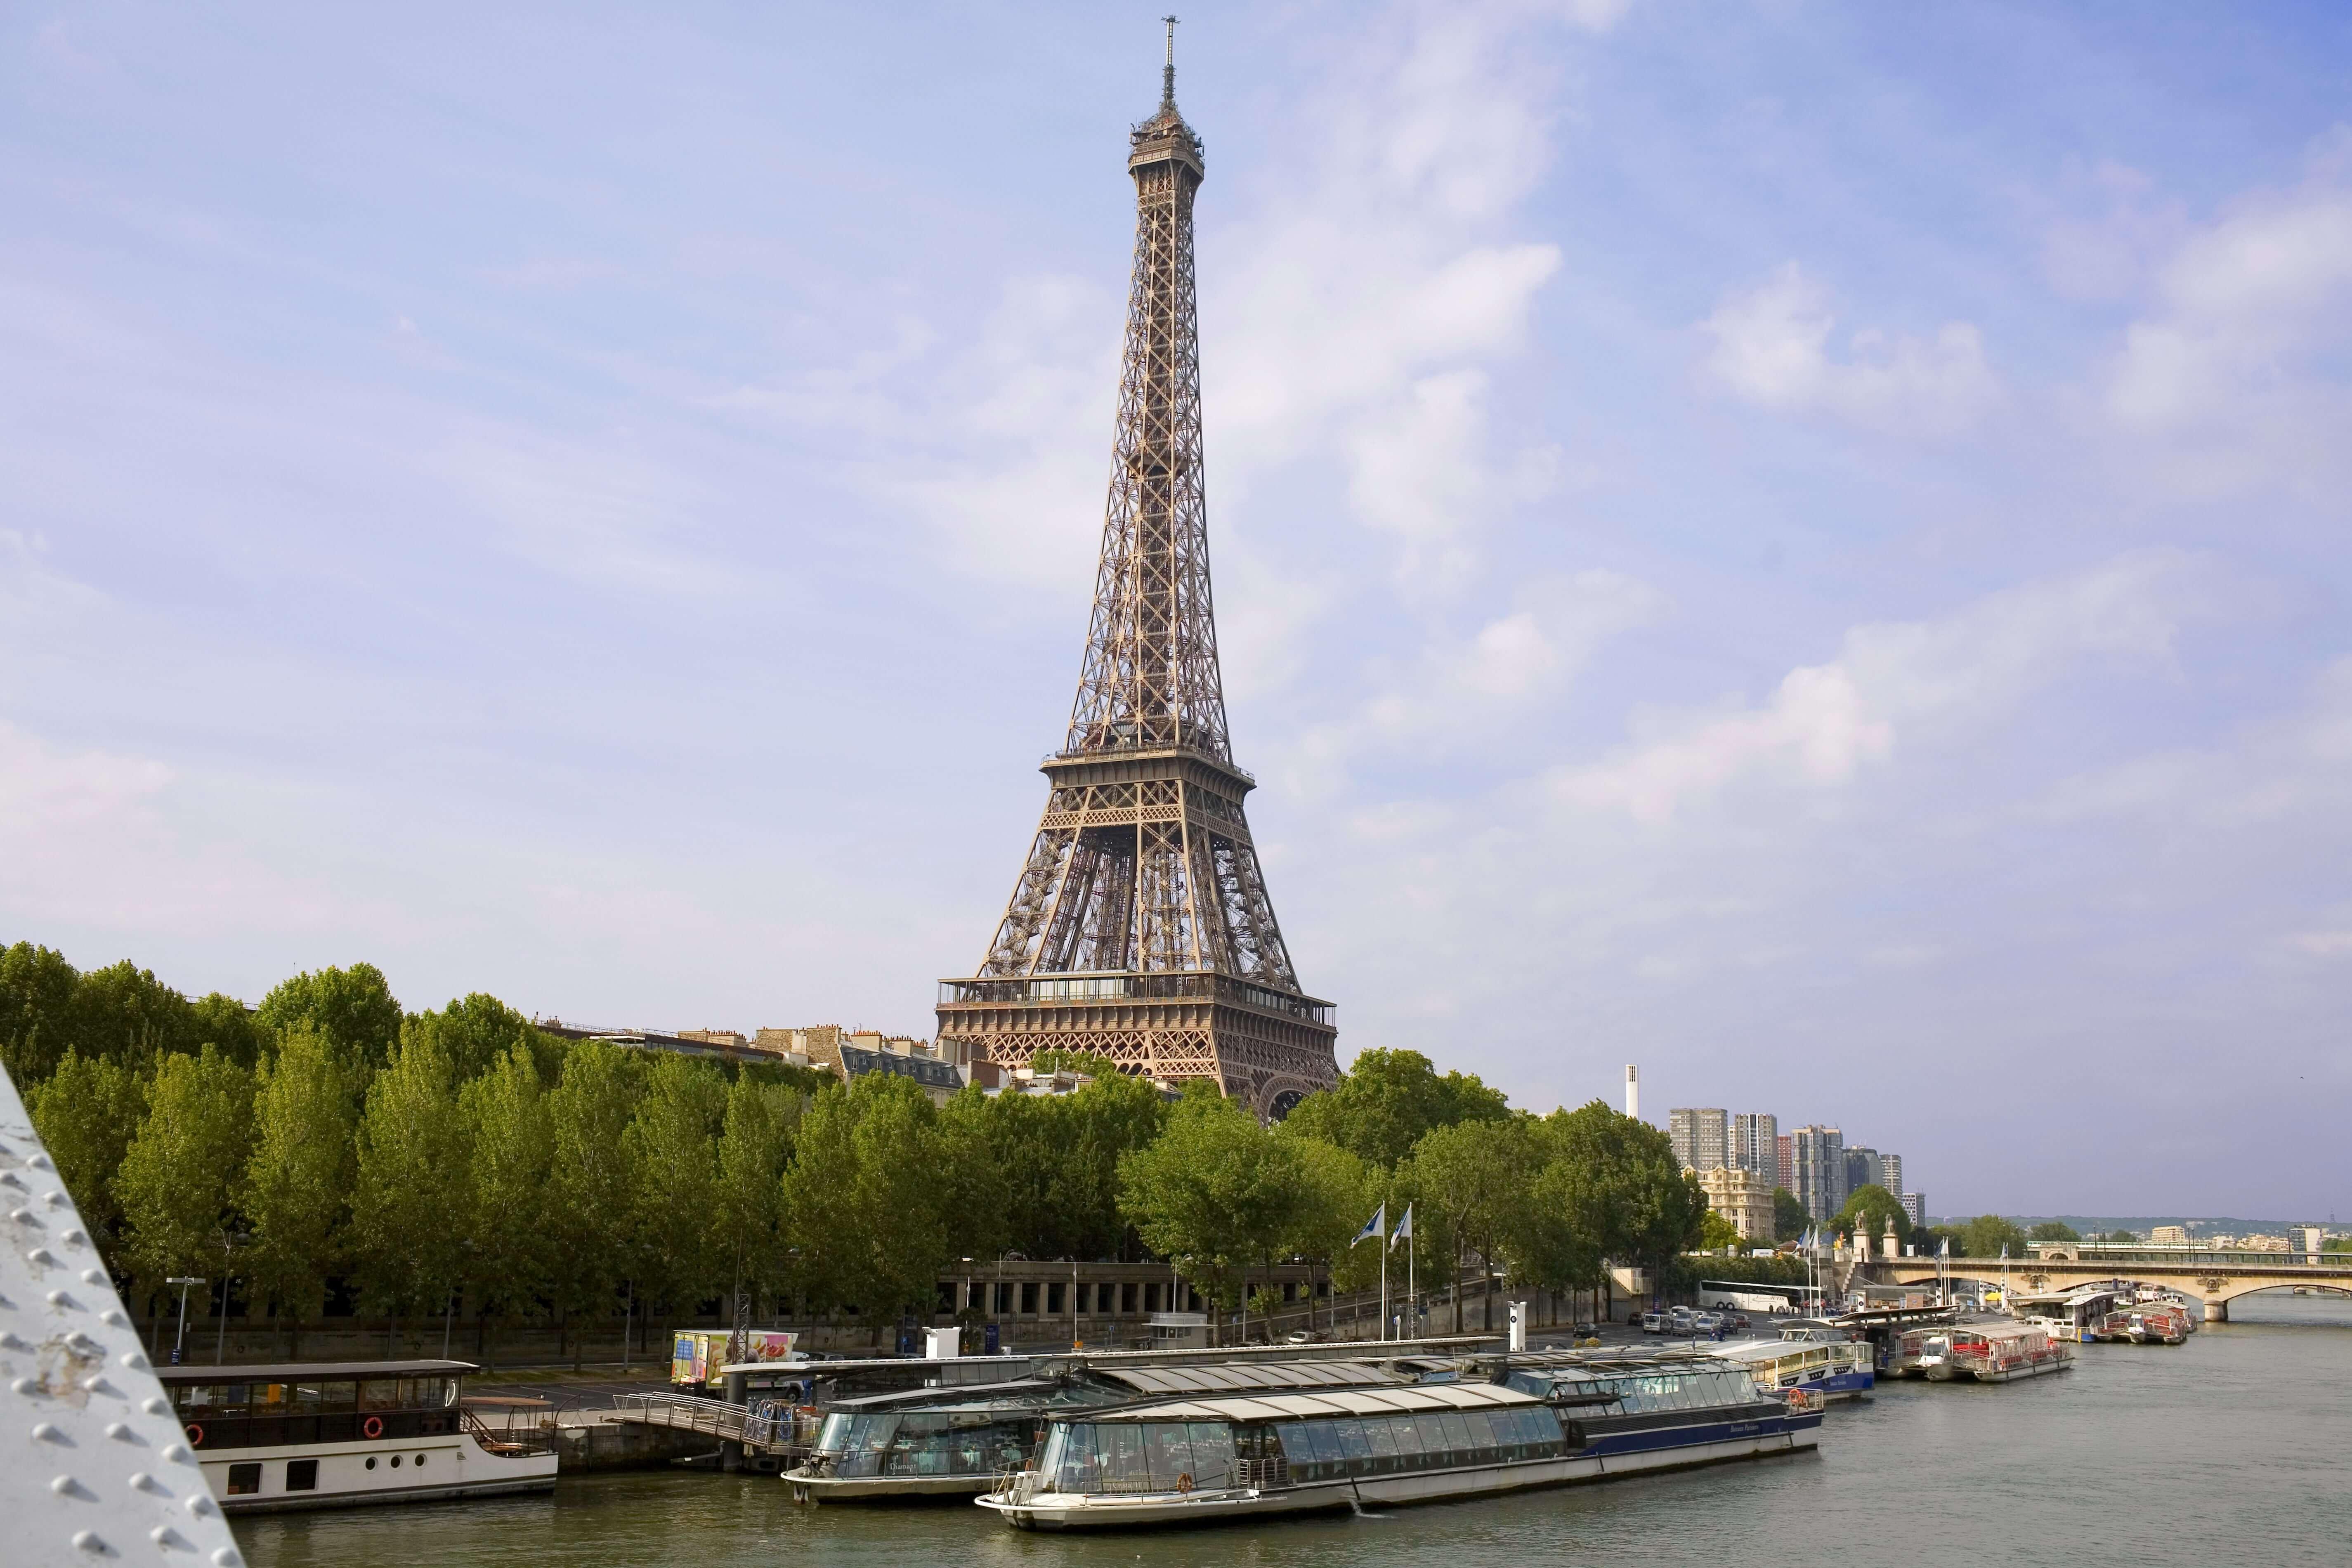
[1547,1421]
[1835,1369]
[1980,1352]
[337,1435]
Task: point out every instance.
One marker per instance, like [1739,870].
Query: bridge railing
[692,1413]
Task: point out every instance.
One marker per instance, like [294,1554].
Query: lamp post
[185,1282]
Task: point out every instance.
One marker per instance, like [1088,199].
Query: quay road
[2216,1278]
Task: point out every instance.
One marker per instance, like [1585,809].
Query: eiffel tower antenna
[1140,928]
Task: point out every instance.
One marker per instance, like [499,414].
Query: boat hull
[888,1489]
[457,1466]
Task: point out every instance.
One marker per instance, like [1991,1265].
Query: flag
[1404,1228]
[1946,1250]
[1372,1226]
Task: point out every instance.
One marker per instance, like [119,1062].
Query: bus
[1743,1296]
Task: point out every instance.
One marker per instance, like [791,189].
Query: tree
[410,1201]
[1619,1180]
[1213,1193]
[1869,1210]
[1789,1216]
[36,1013]
[352,1009]
[1388,1100]
[214,1019]
[299,1178]
[1337,1193]
[124,1012]
[1986,1234]
[2122,1236]
[178,1183]
[505,1114]
[673,1139]
[867,1209]
[755,1145]
[1716,1233]
[86,1114]
[593,1182]
[1477,1176]
[2052,1230]
[476,1032]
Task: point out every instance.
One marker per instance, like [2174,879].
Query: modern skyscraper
[1916,1206]
[1701,1137]
[1890,1173]
[1861,1169]
[1788,1152]
[1820,1154]
[1756,1146]
[1139,927]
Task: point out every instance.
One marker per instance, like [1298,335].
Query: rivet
[88,1540]
[163,1535]
[56,1199]
[140,1480]
[176,1452]
[47,1431]
[75,1238]
[25,1216]
[26,1385]
[113,1318]
[9,1342]
[120,1433]
[156,1406]
[134,1360]
[40,1162]
[58,1298]
[41,1257]
[226,1557]
[201,1505]
[65,1486]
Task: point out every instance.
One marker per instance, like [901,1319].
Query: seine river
[2230,1448]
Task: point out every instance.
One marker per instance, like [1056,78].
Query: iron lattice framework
[1140,928]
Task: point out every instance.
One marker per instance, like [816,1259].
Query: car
[1582,1331]
[1653,1322]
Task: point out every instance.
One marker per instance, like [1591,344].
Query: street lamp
[183,1281]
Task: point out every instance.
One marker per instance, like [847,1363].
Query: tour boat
[1535,1422]
[1983,1353]
[1835,1369]
[910,1444]
[333,1435]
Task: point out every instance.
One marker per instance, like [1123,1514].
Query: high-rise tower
[1140,928]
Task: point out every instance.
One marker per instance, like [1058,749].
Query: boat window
[1323,1440]
[301,1474]
[244,1480]
[380,1394]
[1382,1439]
[1213,1454]
[1078,1469]
[1169,1451]
[834,1436]
[1357,1447]
[1466,1433]
[268,1398]
[1123,1466]
[1049,1461]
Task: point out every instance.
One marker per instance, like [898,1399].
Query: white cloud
[1825,723]
[1772,348]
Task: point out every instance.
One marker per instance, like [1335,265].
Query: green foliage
[1985,1236]
[673,1138]
[511,1145]
[755,1145]
[1868,1209]
[1337,1193]
[868,1197]
[476,1031]
[86,1114]
[411,1199]
[1619,1182]
[2331,1244]
[299,1176]
[1388,1100]
[178,1182]
[591,1179]
[1789,1216]
[1214,1193]
[1472,1178]
[36,1011]
[352,1009]
[2052,1230]
[2122,1236]
[1715,1233]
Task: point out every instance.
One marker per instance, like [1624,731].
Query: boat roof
[1028,1393]
[1322,1405]
[1233,1378]
[313,1370]
[1768,1350]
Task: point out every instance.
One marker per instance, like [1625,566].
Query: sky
[1799,545]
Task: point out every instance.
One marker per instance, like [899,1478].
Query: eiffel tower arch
[1139,927]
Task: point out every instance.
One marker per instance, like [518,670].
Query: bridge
[2215,1278]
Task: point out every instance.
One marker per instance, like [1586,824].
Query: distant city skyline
[1801,547]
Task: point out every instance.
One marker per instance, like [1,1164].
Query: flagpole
[1384,1278]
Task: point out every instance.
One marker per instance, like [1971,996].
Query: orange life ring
[195,1435]
[1184,1481]
[373,1426]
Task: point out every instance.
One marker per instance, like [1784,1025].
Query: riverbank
[2224,1447]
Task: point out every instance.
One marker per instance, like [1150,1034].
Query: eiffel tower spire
[1140,928]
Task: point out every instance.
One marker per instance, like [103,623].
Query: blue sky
[1798,545]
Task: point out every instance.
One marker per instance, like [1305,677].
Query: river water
[2231,1449]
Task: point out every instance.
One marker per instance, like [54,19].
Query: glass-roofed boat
[962,1441]
[1496,1425]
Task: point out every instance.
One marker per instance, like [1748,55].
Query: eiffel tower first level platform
[1139,927]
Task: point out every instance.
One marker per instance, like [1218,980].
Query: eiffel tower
[1140,929]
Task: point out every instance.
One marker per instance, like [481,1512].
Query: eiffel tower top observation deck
[1140,928]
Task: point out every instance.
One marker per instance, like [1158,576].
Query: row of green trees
[328,1136]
